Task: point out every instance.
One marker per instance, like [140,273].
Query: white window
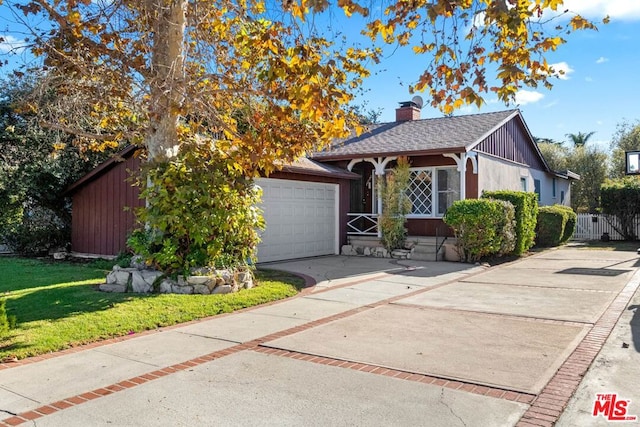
[432,191]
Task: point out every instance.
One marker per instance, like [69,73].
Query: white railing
[593,226]
[363,224]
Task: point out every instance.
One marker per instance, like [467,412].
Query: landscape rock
[182,289]
[198,280]
[138,283]
[201,289]
[166,286]
[138,262]
[119,276]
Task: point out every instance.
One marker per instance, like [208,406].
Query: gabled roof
[307,166]
[302,166]
[102,168]
[428,136]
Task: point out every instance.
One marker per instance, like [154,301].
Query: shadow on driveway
[635,326]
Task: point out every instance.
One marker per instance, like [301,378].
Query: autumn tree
[256,84]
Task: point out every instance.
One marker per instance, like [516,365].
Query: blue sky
[600,87]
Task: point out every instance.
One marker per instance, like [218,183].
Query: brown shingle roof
[438,135]
[305,166]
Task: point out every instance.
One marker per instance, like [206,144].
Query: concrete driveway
[375,342]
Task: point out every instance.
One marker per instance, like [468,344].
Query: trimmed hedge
[556,225]
[570,226]
[526,206]
[483,227]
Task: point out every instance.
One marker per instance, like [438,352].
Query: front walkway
[376,342]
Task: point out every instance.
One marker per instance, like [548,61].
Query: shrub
[550,227]
[621,198]
[39,231]
[556,225]
[395,205]
[570,226]
[526,207]
[202,212]
[483,227]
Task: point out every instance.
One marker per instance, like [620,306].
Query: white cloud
[8,43]
[524,97]
[551,104]
[588,79]
[562,70]
[602,60]
[617,9]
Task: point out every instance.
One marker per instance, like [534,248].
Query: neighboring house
[311,206]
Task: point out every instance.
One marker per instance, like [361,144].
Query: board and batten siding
[511,142]
[100,223]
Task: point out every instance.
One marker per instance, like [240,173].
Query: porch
[436,181]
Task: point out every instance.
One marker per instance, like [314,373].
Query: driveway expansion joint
[565,382]
[449,383]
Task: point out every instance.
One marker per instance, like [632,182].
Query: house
[317,204]
[305,206]
[452,158]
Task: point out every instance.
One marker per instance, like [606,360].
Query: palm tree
[579,139]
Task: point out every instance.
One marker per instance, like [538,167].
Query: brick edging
[467,386]
[250,345]
[552,401]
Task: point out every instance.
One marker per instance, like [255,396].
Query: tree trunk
[166,81]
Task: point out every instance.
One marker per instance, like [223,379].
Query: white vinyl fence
[592,227]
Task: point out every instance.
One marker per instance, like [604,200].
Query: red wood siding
[428,227]
[512,142]
[99,223]
[431,161]
[471,180]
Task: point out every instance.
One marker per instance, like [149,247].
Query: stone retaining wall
[376,251]
[202,281]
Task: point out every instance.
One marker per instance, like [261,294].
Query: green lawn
[57,305]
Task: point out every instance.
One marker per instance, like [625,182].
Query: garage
[301,219]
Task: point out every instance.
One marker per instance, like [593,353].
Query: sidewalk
[375,342]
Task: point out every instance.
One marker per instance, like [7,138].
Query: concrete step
[427,255]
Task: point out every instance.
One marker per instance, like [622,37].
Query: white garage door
[301,219]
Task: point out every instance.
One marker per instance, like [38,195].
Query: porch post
[379,165]
[461,162]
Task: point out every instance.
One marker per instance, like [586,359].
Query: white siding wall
[497,174]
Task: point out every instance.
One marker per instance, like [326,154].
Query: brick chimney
[409,110]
